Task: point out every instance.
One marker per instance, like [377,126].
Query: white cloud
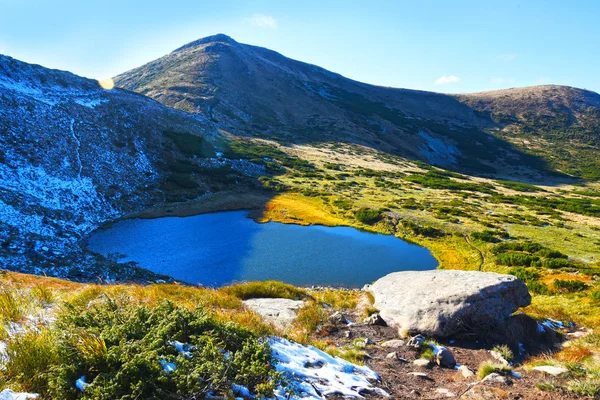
[502,81]
[444,80]
[507,57]
[263,21]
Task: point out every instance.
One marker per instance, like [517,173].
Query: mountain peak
[219,37]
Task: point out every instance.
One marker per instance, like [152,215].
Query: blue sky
[446,46]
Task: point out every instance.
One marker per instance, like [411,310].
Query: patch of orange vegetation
[291,208]
[26,280]
[574,354]
[549,279]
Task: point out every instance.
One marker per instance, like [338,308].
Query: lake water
[221,248]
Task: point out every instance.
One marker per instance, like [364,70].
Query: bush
[556,263]
[485,236]
[505,352]
[488,367]
[569,286]
[524,274]
[515,259]
[367,215]
[120,346]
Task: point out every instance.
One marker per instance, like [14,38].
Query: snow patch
[8,394]
[314,374]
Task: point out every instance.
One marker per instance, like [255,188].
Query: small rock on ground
[422,362]
[445,359]
[485,393]
[393,343]
[496,378]
[466,371]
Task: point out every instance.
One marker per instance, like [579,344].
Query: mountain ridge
[250,90]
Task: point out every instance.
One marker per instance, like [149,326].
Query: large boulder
[444,302]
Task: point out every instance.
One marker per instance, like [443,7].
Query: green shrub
[119,346]
[525,274]
[556,263]
[537,287]
[569,286]
[367,215]
[11,308]
[515,259]
[595,295]
[488,367]
[485,236]
[505,352]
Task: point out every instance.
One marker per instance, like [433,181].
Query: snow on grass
[8,394]
[313,374]
[90,102]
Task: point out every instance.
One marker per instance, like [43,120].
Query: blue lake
[221,248]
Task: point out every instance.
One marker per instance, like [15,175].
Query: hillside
[74,156]
[253,91]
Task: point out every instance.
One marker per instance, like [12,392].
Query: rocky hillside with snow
[255,91]
[74,155]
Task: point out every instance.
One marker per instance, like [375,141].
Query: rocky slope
[255,91]
[74,155]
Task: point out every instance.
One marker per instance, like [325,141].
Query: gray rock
[422,363]
[444,358]
[466,372]
[281,312]
[551,370]
[337,318]
[392,356]
[496,378]
[437,302]
[444,392]
[416,341]
[420,375]
[498,357]
[375,319]
[393,343]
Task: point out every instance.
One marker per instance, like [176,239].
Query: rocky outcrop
[282,312]
[442,303]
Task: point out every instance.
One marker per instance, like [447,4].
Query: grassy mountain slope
[251,91]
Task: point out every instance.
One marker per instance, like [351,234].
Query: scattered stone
[393,343]
[392,356]
[363,342]
[444,358]
[551,370]
[437,302]
[369,342]
[495,377]
[337,318]
[416,341]
[422,363]
[484,393]
[348,334]
[444,392]
[420,375]
[282,312]
[578,334]
[466,372]
[498,357]
[375,319]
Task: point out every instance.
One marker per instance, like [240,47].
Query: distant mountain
[74,155]
[250,90]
